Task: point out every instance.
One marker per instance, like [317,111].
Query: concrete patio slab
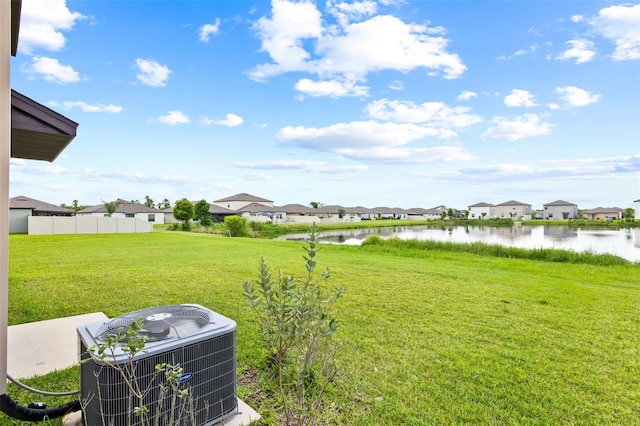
[40,347]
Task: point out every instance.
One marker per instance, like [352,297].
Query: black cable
[13,409]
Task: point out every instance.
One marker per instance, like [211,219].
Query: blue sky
[372,103]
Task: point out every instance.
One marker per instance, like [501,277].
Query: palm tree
[111,206]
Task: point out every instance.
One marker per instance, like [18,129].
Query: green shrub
[296,330]
[236,226]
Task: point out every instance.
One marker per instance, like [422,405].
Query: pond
[620,242]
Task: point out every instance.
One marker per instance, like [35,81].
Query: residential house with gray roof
[603,213]
[482,210]
[422,213]
[21,207]
[126,209]
[560,209]
[238,201]
[514,210]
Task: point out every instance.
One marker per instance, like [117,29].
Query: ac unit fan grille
[159,323]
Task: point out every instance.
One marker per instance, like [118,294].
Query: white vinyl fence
[43,225]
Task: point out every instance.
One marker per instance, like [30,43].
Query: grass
[427,336]
[413,246]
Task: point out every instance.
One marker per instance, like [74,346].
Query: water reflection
[624,242]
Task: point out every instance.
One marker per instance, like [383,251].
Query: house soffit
[37,132]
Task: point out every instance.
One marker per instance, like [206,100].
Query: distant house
[482,210]
[238,201]
[421,213]
[21,207]
[261,212]
[560,210]
[218,213]
[296,210]
[603,213]
[126,209]
[637,208]
[514,210]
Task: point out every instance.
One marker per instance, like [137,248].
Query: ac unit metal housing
[200,340]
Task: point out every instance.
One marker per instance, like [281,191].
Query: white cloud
[436,114]
[347,52]
[208,29]
[331,88]
[397,155]
[306,165]
[346,12]
[282,37]
[621,25]
[386,43]
[396,85]
[585,168]
[151,73]
[85,107]
[581,50]
[256,176]
[374,141]
[520,98]
[231,120]
[466,95]
[174,117]
[577,18]
[527,125]
[41,23]
[357,134]
[575,96]
[531,49]
[51,70]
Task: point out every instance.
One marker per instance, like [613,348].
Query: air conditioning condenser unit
[201,341]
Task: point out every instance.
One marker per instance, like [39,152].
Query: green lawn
[427,336]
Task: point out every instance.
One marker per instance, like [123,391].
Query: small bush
[296,330]
[236,226]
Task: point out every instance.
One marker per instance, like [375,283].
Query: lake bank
[624,242]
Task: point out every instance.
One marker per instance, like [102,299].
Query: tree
[202,212]
[184,212]
[629,213]
[75,206]
[111,206]
[341,213]
[314,204]
[164,204]
[148,201]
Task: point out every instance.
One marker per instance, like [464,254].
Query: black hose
[13,409]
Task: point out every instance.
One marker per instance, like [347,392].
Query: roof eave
[16,6]
[37,132]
